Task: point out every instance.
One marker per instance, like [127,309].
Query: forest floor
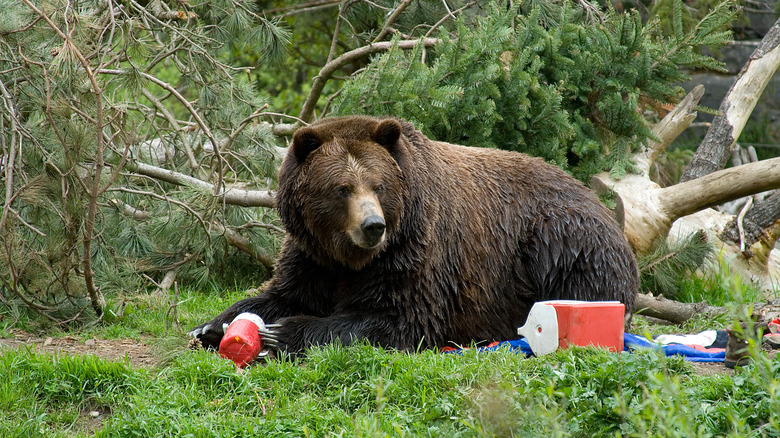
[137,353]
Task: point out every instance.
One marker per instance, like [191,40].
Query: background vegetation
[128,126]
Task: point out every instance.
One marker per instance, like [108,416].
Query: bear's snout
[373,228]
[366,226]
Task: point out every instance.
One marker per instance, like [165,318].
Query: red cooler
[590,323]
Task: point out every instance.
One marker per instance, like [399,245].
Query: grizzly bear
[412,243]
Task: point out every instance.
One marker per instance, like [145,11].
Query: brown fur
[472,238]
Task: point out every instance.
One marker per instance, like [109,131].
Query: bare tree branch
[130,211]
[669,128]
[165,285]
[9,152]
[672,311]
[391,20]
[231,196]
[721,186]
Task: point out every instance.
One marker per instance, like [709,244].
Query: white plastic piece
[541,329]
[255,319]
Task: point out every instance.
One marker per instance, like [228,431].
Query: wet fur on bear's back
[474,237]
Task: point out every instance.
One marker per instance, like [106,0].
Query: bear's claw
[197,332]
[208,335]
[269,336]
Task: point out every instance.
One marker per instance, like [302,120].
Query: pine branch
[193,112]
[256,224]
[233,237]
[302,8]
[327,71]
[161,11]
[388,26]
[242,243]
[96,297]
[176,127]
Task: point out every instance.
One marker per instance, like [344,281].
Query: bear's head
[341,190]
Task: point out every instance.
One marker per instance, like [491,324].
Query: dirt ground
[138,353]
[712,369]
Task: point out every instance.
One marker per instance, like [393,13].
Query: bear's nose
[373,228]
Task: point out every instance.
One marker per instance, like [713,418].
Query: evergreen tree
[89,89]
[572,93]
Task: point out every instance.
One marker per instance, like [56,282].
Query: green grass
[366,391]
[719,286]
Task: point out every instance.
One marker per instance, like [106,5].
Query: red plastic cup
[242,342]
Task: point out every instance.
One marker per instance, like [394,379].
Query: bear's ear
[305,141]
[387,133]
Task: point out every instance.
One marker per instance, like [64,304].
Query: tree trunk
[677,313]
[649,211]
[761,215]
[736,108]
[161,293]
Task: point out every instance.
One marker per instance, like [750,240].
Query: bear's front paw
[209,334]
[272,337]
[293,334]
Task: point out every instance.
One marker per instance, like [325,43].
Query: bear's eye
[378,189]
[343,191]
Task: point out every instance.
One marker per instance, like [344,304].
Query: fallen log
[673,311]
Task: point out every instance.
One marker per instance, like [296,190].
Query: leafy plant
[91,91]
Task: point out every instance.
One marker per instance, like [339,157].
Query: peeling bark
[762,216]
